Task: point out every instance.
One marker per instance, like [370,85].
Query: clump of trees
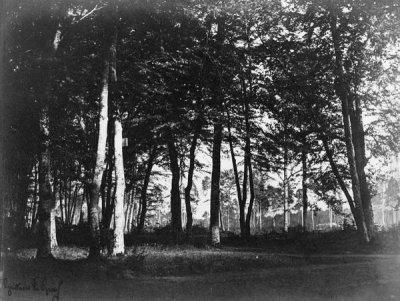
[97,94]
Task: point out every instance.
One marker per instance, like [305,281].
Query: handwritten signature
[37,284]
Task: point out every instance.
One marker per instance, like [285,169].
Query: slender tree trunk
[53,228]
[343,94]
[94,251]
[337,175]
[285,192]
[356,120]
[45,206]
[176,217]
[61,195]
[304,188]
[143,194]
[215,182]
[108,208]
[189,185]
[251,202]
[221,219]
[46,199]
[119,245]
[237,180]
[35,197]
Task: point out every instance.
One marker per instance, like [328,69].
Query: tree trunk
[119,245]
[356,120]
[189,185]
[215,180]
[108,208]
[35,197]
[221,220]
[237,180]
[304,187]
[94,251]
[337,175]
[176,217]
[251,201]
[46,199]
[45,205]
[143,194]
[285,192]
[343,94]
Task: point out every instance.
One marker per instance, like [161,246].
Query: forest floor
[332,266]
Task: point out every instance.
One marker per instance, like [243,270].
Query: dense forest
[123,114]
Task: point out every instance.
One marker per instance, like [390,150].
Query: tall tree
[94,251]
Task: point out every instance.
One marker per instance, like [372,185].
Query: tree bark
[237,180]
[108,208]
[143,194]
[176,210]
[343,94]
[45,206]
[119,245]
[304,187]
[215,180]
[189,185]
[251,201]
[46,199]
[356,120]
[94,251]
[337,175]
[285,192]
[248,162]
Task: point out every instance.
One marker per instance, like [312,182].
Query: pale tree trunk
[251,202]
[47,232]
[99,167]
[45,205]
[248,160]
[312,219]
[118,245]
[215,183]
[53,229]
[221,220]
[343,94]
[228,218]
[285,192]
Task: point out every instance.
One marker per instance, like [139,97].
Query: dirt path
[377,279]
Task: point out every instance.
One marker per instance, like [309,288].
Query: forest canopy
[119,114]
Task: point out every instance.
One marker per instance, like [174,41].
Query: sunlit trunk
[99,167]
[285,192]
[215,183]
[119,245]
[46,199]
[45,206]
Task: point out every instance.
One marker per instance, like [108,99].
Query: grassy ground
[190,267]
